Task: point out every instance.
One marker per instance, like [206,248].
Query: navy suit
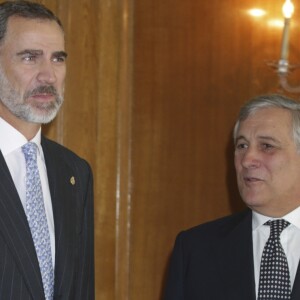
[72,202]
[214,261]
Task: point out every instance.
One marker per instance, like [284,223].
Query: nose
[250,158]
[46,73]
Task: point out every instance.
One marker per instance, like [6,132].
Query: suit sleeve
[86,281]
[174,285]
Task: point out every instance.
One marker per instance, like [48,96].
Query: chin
[43,116]
[252,200]
[40,118]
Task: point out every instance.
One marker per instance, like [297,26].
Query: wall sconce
[283,67]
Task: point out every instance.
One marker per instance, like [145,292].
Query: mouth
[42,99]
[42,93]
[252,180]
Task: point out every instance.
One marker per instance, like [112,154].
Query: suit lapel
[296,286]
[64,213]
[235,256]
[16,233]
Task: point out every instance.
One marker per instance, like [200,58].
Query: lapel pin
[72,180]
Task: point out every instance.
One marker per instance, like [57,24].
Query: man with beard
[46,194]
[253,254]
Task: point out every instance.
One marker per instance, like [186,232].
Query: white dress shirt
[290,241]
[11,141]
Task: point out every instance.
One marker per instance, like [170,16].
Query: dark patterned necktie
[274,280]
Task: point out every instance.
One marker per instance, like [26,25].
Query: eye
[241,146]
[59,59]
[267,146]
[29,58]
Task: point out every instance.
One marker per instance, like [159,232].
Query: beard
[30,111]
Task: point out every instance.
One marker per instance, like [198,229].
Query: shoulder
[63,154]
[215,230]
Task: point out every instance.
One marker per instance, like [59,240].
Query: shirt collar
[293,217]
[11,139]
[258,220]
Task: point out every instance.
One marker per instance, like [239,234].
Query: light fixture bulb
[288,9]
[256,12]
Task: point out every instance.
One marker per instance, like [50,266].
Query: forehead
[30,33]
[275,121]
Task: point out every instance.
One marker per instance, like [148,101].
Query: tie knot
[30,151]
[277,226]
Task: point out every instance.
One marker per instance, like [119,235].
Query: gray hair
[266,101]
[24,9]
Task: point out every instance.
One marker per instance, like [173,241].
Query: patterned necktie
[36,216]
[274,281]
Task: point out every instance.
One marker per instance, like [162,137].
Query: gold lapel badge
[72,180]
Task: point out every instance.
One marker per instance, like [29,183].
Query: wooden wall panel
[195,63]
[91,115]
[97,38]
[153,88]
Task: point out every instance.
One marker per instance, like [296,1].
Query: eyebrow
[60,54]
[40,52]
[30,51]
[262,137]
[268,138]
[241,137]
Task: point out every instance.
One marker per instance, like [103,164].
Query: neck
[28,129]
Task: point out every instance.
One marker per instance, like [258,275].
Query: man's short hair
[267,101]
[24,9]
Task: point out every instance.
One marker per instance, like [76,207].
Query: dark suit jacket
[20,276]
[214,261]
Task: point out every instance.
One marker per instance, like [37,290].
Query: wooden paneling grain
[152,92]
[195,63]
[96,122]
[96,87]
